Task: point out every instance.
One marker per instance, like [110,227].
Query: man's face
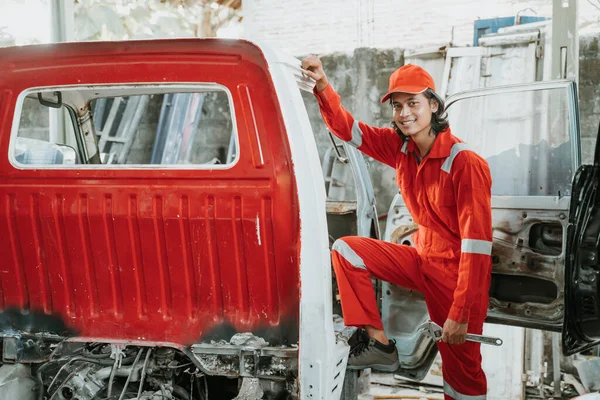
[412,112]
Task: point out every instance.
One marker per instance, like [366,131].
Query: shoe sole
[376,367]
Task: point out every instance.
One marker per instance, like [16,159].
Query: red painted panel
[156,255]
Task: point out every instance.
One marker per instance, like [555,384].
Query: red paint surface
[165,255]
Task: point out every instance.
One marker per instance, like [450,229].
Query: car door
[582,293]
[529,135]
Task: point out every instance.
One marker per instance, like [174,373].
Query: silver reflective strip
[350,255]
[404,147]
[457,148]
[356,140]
[476,246]
[449,390]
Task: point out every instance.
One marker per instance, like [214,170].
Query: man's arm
[382,144]
[472,187]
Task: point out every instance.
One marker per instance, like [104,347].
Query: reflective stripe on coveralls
[457,148]
[404,147]
[350,255]
[476,246]
[356,140]
[457,396]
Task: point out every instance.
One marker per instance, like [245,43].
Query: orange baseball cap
[409,78]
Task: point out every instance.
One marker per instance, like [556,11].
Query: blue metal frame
[492,25]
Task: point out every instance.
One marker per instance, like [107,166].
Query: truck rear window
[127,127]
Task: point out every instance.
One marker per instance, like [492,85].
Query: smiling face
[412,113]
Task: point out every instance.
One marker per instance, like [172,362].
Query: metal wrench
[435,331]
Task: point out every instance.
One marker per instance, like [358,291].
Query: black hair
[439,119]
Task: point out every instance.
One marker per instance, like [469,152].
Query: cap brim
[403,90]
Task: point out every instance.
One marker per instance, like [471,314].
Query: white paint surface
[503,365]
[319,359]
[258,230]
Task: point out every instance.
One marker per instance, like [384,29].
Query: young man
[447,189]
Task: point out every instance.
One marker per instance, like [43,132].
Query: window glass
[46,134]
[152,128]
[524,136]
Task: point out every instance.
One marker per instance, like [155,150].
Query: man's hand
[454,332]
[313,67]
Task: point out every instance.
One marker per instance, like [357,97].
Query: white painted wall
[24,22]
[322,26]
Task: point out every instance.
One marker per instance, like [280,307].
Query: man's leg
[355,260]
[464,378]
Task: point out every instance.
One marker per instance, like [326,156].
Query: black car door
[581,329]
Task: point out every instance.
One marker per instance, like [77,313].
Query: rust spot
[402,231]
[341,207]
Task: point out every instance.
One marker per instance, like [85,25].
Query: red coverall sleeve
[383,144]
[472,188]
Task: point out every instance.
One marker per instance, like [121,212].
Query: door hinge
[539,51]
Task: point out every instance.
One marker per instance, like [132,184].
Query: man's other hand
[313,67]
[454,332]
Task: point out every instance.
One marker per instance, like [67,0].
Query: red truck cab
[163,197]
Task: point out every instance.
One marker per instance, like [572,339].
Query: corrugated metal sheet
[121,259]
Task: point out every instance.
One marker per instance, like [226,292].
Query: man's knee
[343,247]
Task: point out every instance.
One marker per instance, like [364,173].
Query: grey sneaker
[370,353]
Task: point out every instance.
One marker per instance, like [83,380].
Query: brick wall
[314,26]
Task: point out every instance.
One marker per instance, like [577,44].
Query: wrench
[435,331]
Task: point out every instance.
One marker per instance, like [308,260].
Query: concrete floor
[386,386]
[390,386]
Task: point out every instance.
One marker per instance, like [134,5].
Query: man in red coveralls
[447,189]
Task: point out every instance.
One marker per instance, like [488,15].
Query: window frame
[569,86]
[129,89]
